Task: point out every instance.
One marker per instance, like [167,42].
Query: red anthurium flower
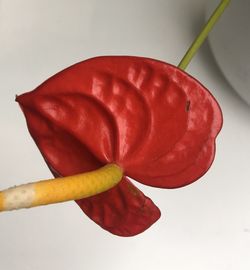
[152,119]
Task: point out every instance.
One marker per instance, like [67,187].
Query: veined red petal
[123,210]
[188,150]
[151,118]
[154,120]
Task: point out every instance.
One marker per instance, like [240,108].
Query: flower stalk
[203,34]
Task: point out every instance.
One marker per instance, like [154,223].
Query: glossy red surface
[154,120]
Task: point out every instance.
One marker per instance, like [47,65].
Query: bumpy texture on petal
[123,210]
[154,120]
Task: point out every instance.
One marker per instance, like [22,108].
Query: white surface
[203,226]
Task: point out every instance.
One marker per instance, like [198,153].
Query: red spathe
[152,119]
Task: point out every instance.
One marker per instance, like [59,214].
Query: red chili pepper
[152,119]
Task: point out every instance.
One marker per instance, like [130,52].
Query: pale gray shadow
[207,57]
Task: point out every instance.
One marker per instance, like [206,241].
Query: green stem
[203,34]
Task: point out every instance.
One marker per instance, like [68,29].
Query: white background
[203,226]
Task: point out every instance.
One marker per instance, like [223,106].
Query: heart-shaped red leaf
[154,120]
